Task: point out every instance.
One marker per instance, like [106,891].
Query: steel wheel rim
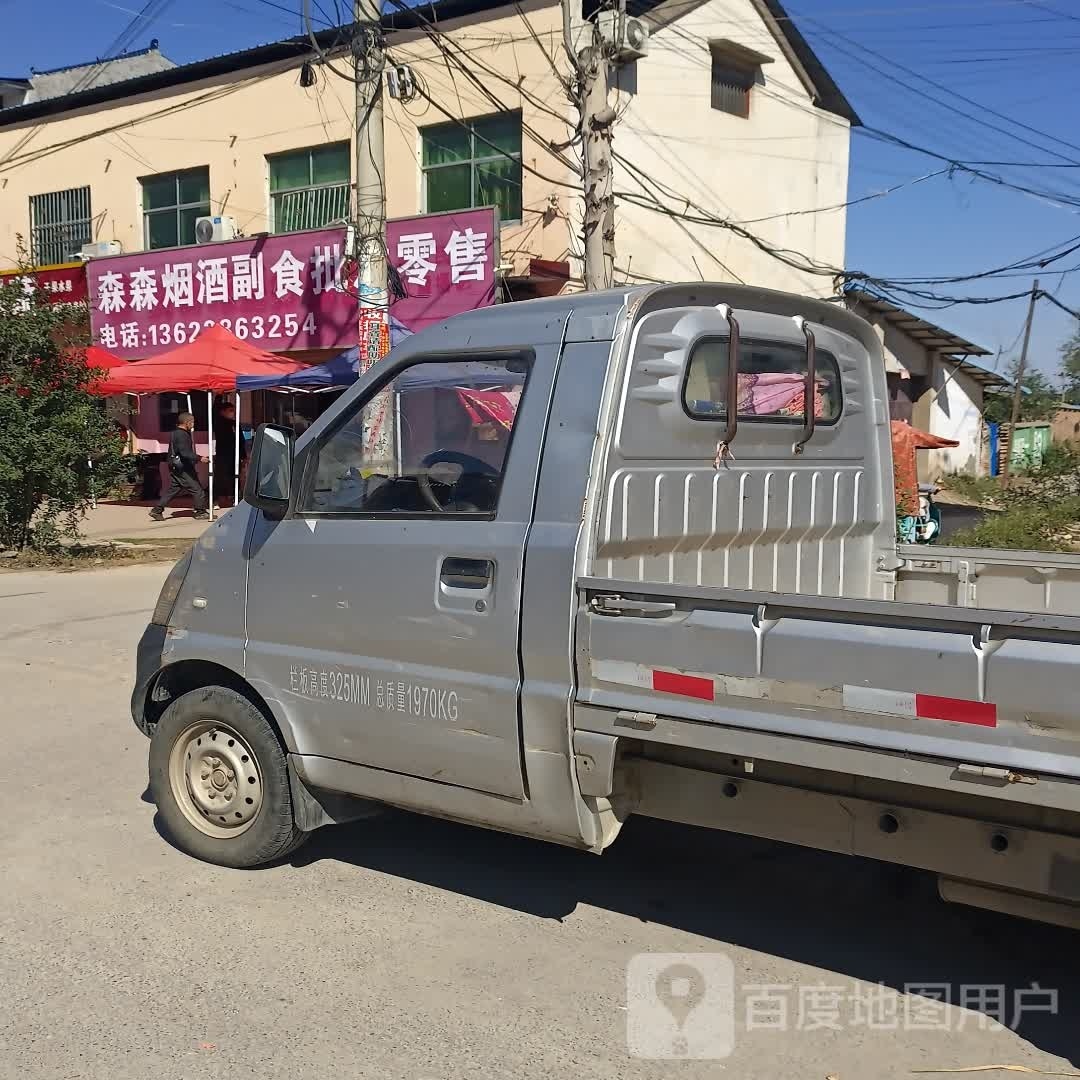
[215,779]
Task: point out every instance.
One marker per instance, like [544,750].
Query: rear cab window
[772,382]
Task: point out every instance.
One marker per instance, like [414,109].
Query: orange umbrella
[905,441]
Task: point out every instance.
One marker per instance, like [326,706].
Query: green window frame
[309,188]
[172,203]
[474,163]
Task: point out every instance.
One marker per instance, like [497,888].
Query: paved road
[418,949]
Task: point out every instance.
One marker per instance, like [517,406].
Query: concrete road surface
[412,948]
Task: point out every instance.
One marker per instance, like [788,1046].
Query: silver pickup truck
[552,564]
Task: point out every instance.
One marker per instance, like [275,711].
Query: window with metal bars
[60,224]
[731,85]
[309,188]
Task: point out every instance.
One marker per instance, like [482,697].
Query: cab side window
[433,441]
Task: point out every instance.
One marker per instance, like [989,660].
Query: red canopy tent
[97,357]
[101,360]
[211,362]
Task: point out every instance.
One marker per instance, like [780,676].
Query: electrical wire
[1057,303]
[455,54]
[493,146]
[982,107]
[211,95]
[959,165]
[849,202]
[287,10]
[958,161]
[150,11]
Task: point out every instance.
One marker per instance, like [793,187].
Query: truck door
[384,611]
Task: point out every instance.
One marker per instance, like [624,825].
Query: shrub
[51,427]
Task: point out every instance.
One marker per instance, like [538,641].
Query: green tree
[1070,369]
[51,427]
[1038,402]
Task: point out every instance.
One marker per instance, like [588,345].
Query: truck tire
[219,778]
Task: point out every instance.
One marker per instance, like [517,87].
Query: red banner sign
[374,336]
[61,284]
[289,292]
[446,263]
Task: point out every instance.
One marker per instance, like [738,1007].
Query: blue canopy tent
[340,370]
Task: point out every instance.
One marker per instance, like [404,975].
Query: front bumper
[147,665]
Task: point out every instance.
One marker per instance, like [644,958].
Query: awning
[933,338]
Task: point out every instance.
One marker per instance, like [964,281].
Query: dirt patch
[96,556]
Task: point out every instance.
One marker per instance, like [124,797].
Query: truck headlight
[170,591]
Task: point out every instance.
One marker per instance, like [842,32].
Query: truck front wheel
[219,777]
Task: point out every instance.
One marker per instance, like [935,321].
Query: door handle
[462,573]
[617,605]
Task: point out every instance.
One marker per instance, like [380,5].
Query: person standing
[182,460]
[225,449]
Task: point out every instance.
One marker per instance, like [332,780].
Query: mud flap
[313,809]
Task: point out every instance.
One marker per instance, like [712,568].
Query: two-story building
[727,117]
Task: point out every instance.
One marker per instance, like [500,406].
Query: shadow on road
[853,917]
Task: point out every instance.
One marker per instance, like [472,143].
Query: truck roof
[595,316]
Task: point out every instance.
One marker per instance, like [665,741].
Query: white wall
[786,156]
[955,413]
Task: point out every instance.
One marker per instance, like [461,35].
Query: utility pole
[596,118]
[1018,389]
[369,61]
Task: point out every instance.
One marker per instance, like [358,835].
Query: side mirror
[269,476]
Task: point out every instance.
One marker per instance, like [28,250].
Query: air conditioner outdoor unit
[209,229]
[99,250]
[625,36]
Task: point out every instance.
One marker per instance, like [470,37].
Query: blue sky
[904,64]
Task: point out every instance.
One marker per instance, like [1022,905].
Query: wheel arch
[183,676]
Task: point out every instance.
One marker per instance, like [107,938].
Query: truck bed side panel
[895,676]
[985,578]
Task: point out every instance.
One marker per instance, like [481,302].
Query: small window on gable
[735,70]
[731,88]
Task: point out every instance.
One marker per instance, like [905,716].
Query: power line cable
[959,165]
[150,11]
[940,86]
[1057,303]
[182,106]
[958,160]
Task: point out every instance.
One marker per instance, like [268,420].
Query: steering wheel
[467,464]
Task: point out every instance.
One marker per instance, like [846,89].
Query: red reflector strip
[981,713]
[670,682]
